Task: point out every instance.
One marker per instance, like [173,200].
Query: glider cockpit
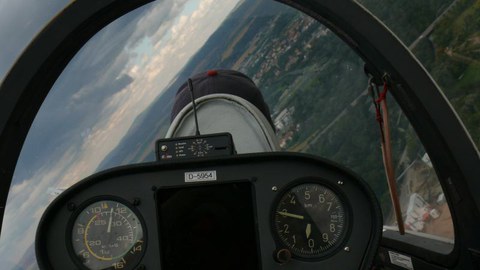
[257,211]
[240,211]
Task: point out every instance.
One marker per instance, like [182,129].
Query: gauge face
[107,234]
[200,147]
[310,220]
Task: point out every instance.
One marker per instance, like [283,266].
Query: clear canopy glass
[114,99]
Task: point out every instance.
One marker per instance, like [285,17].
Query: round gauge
[200,147]
[310,220]
[107,234]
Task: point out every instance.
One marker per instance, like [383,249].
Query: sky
[19,22]
[113,79]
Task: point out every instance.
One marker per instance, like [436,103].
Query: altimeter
[310,220]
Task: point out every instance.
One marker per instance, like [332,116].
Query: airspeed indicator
[107,234]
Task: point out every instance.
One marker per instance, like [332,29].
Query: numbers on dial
[107,234]
[310,220]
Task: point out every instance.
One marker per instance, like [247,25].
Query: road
[430,28]
[335,120]
[425,33]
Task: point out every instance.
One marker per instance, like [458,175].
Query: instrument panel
[255,211]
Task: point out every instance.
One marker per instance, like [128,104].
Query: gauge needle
[308,230]
[286,214]
[110,221]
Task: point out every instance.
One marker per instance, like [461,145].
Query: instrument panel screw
[164,148]
[347,249]
[340,182]
[136,201]
[71,206]
[283,256]
[274,188]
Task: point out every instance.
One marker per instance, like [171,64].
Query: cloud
[95,101]
[150,25]
[27,201]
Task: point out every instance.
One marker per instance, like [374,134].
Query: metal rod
[190,86]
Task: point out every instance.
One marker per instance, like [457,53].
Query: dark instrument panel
[256,211]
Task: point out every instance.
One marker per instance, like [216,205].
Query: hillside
[452,56]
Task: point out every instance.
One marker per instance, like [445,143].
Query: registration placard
[200,176]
